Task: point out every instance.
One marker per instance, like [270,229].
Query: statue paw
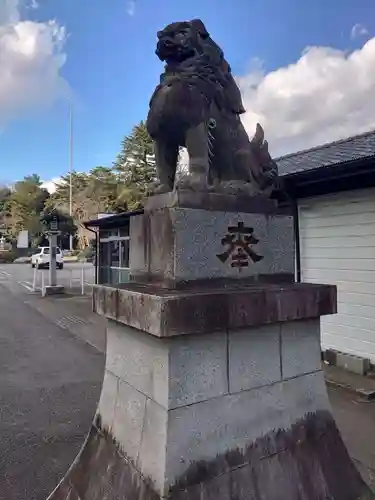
[238,188]
[193,182]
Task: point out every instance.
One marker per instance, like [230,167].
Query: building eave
[111,221]
[355,174]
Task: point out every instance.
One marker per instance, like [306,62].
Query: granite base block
[180,400]
[300,347]
[174,372]
[177,245]
[254,357]
[184,370]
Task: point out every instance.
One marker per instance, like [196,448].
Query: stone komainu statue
[198,105]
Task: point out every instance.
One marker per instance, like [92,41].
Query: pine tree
[135,165]
[92,193]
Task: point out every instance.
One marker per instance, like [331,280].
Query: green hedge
[7,257]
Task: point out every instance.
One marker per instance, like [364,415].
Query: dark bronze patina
[198,105]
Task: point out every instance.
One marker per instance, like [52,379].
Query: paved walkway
[50,382]
[355,417]
[74,314]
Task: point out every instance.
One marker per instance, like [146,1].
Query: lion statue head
[180,41]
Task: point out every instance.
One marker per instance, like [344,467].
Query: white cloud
[358,30]
[51,185]
[32,55]
[326,95]
[130,7]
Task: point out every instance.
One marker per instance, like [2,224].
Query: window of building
[114,256]
[124,231]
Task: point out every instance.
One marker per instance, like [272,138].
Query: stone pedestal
[213,386]
[53,290]
[174,245]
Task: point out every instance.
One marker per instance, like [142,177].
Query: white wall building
[333,193]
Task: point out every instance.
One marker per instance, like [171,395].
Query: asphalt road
[24,275]
[356,421]
[50,382]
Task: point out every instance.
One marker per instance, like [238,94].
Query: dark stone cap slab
[166,313]
[213,202]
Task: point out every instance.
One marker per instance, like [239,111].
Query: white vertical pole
[83,281]
[52,259]
[34,278]
[70,168]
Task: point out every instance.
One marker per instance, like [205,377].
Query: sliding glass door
[113,257]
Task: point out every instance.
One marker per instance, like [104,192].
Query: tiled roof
[334,153]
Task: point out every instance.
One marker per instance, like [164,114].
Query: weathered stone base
[307,462]
[214,395]
[53,290]
[211,417]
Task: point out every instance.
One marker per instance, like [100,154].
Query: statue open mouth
[173,51]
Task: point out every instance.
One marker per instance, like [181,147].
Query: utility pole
[70,168]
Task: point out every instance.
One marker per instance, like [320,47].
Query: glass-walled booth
[112,247]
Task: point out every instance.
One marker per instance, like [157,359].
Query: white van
[41,258]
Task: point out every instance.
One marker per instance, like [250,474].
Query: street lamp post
[70,169]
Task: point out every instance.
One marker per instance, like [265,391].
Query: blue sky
[112,69]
